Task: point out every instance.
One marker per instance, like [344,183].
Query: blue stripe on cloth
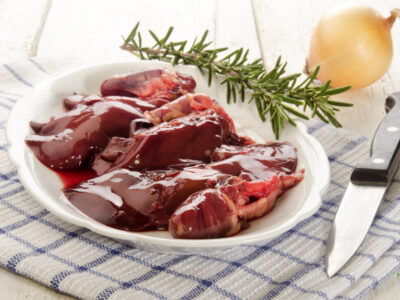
[39,66]
[387,220]
[206,282]
[290,282]
[12,100]
[9,177]
[25,221]
[16,75]
[9,182]
[337,184]
[239,264]
[383,212]
[287,234]
[370,232]
[310,237]
[10,94]
[10,193]
[379,227]
[349,277]
[57,279]
[348,147]
[257,253]
[298,233]
[17,258]
[2,124]
[315,127]
[242,266]
[326,210]
[35,278]
[389,207]
[322,241]
[334,201]
[341,163]
[75,266]
[101,246]
[386,200]
[375,281]
[328,220]
[5,184]
[281,253]
[5,106]
[343,275]
[202,282]
[342,297]
[272,281]
[4,147]
[393,239]
[10,174]
[268,279]
[367,255]
[106,293]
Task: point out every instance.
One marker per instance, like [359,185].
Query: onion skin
[352,45]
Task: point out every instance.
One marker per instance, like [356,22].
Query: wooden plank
[389,289]
[235,26]
[17,287]
[20,27]
[95,28]
[289,36]
[91,30]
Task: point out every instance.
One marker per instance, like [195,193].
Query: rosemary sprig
[274,93]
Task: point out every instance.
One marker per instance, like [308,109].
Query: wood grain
[90,30]
[73,29]
[15,287]
[389,289]
[20,23]
[289,36]
[235,27]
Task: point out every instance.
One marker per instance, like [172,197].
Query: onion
[352,45]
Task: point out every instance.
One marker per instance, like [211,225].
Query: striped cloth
[78,262]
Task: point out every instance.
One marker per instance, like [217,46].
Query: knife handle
[385,155]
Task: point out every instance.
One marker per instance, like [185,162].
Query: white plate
[44,185]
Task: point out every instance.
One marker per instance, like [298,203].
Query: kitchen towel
[78,262]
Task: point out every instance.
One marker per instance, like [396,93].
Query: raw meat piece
[135,201]
[149,84]
[183,106]
[73,101]
[69,140]
[192,137]
[215,213]
[132,200]
[266,160]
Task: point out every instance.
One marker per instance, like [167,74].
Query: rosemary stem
[275,94]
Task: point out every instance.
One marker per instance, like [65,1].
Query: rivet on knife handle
[385,157]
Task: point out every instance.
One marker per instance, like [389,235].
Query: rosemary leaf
[269,91]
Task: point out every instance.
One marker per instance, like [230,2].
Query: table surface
[91,31]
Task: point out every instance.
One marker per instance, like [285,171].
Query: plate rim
[310,206]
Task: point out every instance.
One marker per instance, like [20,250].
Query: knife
[368,184]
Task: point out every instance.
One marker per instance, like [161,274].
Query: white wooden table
[91,30]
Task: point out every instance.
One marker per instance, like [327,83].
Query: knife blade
[368,184]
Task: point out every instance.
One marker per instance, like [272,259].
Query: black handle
[385,155]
